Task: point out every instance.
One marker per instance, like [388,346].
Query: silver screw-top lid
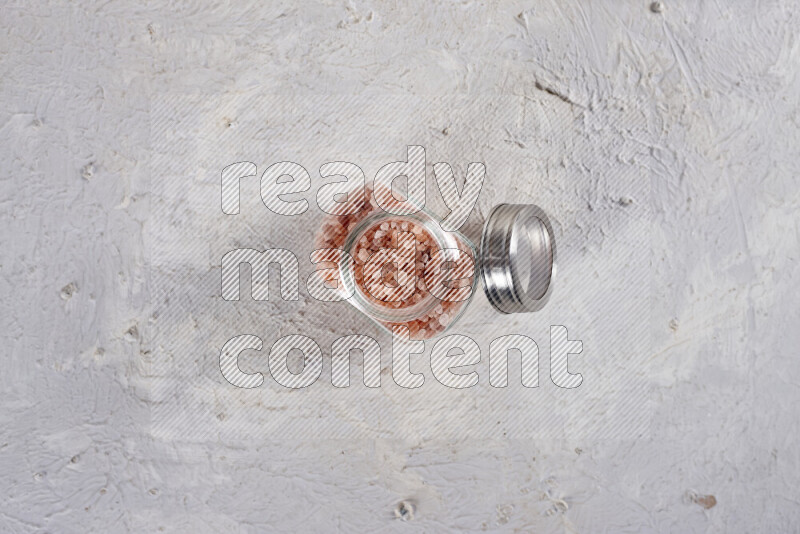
[518,258]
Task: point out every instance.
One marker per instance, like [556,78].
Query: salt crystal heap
[434,315]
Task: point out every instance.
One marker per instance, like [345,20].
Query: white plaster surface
[715,83]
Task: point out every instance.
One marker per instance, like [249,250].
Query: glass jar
[406,270]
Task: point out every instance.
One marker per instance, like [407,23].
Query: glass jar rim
[365,304]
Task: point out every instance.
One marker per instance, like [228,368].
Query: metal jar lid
[518,258]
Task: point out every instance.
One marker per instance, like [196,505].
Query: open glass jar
[406,270]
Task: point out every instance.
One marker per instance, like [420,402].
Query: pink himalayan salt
[333,234]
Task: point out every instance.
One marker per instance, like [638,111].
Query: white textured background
[534,150]
[717,82]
